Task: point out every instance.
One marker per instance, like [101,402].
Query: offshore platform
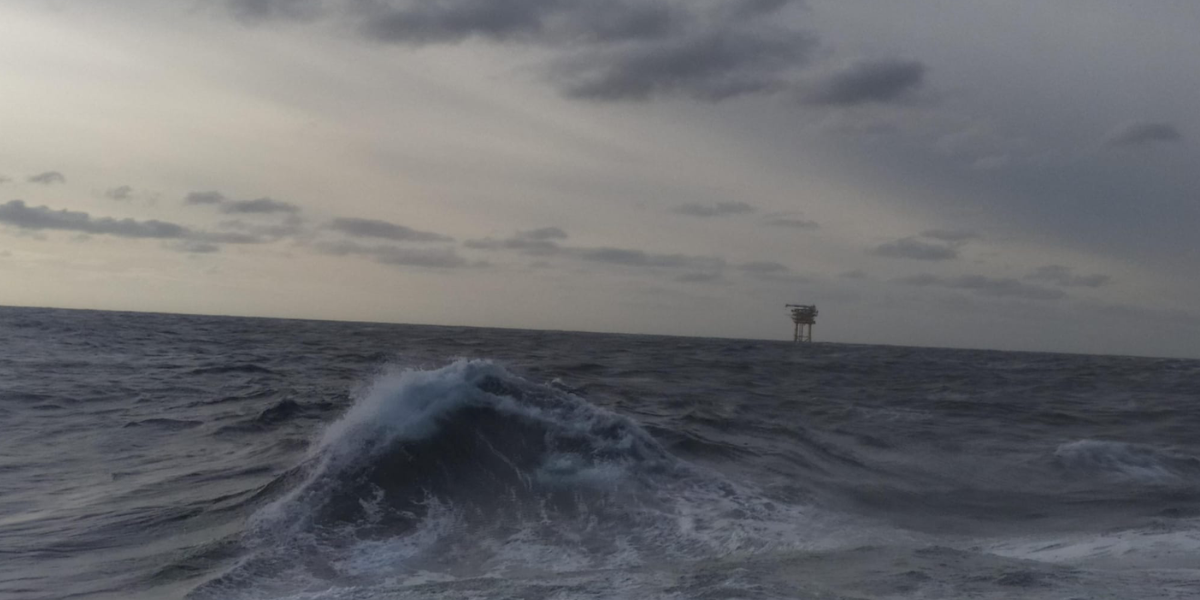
[802,315]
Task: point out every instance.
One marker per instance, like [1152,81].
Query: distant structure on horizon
[803,314]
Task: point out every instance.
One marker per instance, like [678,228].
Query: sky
[1019,175]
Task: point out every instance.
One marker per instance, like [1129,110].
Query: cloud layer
[545,243]
[202,198]
[119,193]
[373,228]
[47,178]
[229,206]
[866,82]
[1143,134]
[790,222]
[718,209]
[441,258]
[609,50]
[386,132]
[258,206]
[1065,277]
[689,268]
[913,248]
[1001,287]
[18,214]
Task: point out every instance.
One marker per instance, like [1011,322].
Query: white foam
[378,558]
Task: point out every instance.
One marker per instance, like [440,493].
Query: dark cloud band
[1142,134]
[373,228]
[441,258]
[1066,277]
[719,209]
[986,286]
[916,249]
[18,214]
[258,206]
[599,49]
[48,178]
[43,218]
[866,82]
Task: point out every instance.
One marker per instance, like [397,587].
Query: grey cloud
[438,259]
[855,274]
[864,82]
[1064,276]
[533,243]
[791,222]
[544,233]
[18,214]
[40,218]
[373,228]
[48,178]
[719,209]
[441,258]
[536,242]
[195,198]
[1143,133]
[263,10]
[4,179]
[291,226]
[1003,288]
[985,286]
[1123,312]
[227,237]
[699,277]
[770,270]
[787,278]
[950,235]
[924,279]
[258,206]
[639,258]
[765,266]
[548,22]
[709,66]
[754,8]
[527,246]
[915,249]
[194,247]
[121,192]
[449,22]
[992,162]
[529,21]
[599,49]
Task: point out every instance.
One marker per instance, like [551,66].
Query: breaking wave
[472,466]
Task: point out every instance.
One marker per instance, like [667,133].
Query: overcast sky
[1014,175]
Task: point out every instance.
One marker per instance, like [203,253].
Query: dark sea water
[167,456]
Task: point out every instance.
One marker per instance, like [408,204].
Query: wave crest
[472,466]
[471,434]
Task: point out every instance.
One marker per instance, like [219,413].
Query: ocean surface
[167,456]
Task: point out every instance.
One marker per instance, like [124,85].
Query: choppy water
[167,456]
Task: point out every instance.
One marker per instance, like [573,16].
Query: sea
[157,456]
